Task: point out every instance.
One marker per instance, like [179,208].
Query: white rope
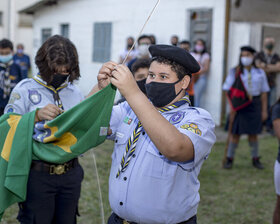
[99,188]
[140,32]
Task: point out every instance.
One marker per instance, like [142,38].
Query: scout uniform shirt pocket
[120,145]
[156,164]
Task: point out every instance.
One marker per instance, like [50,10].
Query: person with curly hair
[52,197]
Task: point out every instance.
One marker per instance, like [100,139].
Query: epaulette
[24,82]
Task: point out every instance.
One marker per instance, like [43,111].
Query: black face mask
[58,79]
[161,93]
[269,47]
[141,85]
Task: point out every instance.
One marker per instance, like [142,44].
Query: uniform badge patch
[15,96]
[177,117]
[34,96]
[10,109]
[192,127]
[127,120]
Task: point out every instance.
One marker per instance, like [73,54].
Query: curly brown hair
[57,52]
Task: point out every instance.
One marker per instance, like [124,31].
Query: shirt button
[121,203]
[143,133]
[133,155]
[125,178]
[116,141]
[159,153]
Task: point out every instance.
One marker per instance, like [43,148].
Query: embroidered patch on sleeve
[15,96]
[192,127]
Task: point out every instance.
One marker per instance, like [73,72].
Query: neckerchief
[7,84]
[132,141]
[54,91]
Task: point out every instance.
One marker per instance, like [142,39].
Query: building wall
[265,11]
[13,28]
[171,17]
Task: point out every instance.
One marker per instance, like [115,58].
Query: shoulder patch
[14,96]
[192,127]
[10,109]
[177,117]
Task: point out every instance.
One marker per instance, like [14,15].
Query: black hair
[5,43]
[185,42]
[153,39]
[180,71]
[55,52]
[144,36]
[241,66]
[140,63]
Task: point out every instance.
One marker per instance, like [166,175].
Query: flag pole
[147,20]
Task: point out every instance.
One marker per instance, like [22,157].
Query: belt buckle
[125,222]
[57,169]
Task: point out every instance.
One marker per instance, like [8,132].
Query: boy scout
[160,144]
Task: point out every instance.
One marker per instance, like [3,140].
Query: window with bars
[45,34]
[64,30]
[102,36]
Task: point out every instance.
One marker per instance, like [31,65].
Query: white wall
[15,32]
[237,41]
[128,17]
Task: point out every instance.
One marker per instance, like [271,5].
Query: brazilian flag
[60,140]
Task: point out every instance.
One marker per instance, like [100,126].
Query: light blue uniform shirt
[154,189]
[259,82]
[29,95]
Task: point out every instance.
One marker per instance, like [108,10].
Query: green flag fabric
[60,140]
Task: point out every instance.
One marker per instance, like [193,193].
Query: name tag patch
[192,127]
[103,131]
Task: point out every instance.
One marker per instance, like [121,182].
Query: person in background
[269,61]
[185,45]
[53,190]
[153,39]
[203,58]
[133,53]
[143,42]
[174,40]
[22,60]
[248,120]
[10,73]
[140,72]
[276,126]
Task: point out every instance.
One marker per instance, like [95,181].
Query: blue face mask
[6,58]
[20,51]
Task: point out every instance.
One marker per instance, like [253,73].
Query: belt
[53,169]
[190,220]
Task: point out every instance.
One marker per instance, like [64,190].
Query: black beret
[176,54]
[248,48]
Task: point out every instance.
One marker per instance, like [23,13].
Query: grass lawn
[237,196]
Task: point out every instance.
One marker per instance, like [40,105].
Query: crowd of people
[162,135]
